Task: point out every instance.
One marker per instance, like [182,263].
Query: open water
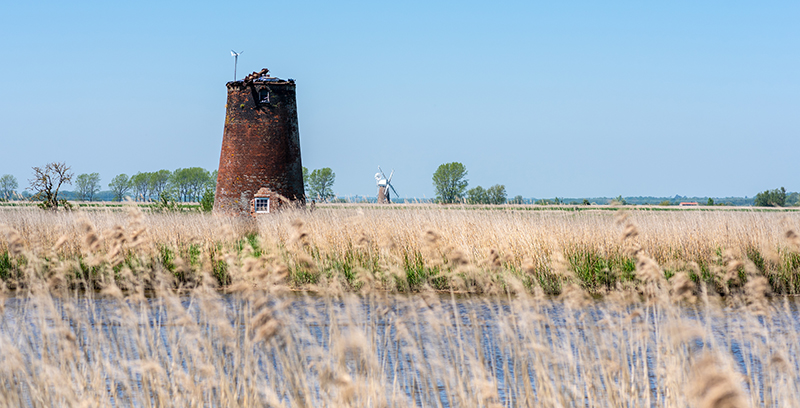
[421,349]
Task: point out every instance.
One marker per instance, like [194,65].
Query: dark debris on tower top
[261,76]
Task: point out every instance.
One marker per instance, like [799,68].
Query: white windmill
[235,56]
[384,184]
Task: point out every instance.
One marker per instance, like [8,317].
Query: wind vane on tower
[235,56]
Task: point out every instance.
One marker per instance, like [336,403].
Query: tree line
[183,184]
[776,198]
[196,184]
[450,182]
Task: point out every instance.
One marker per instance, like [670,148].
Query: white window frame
[256,206]
[263,99]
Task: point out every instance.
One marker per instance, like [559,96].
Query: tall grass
[408,248]
[125,309]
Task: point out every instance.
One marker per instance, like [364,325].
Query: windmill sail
[384,184]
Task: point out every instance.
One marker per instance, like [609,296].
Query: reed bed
[407,248]
[266,347]
[152,310]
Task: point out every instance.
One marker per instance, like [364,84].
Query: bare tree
[47,181]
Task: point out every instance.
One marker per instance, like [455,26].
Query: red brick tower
[260,147]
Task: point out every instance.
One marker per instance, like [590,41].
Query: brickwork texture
[260,145]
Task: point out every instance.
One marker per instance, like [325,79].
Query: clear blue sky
[551,99]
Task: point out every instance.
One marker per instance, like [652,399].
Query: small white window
[263,95]
[262,204]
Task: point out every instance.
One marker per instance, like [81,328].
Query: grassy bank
[467,250]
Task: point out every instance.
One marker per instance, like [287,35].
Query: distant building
[260,168]
[689,204]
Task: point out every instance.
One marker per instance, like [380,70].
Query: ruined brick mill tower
[260,170]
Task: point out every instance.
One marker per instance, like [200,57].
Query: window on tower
[261,205]
[263,95]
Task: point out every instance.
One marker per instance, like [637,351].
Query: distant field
[96,204]
[408,206]
[559,207]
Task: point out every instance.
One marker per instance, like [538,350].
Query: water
[431,350]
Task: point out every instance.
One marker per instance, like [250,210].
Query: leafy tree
[190,183]
[47,181]
[166,203]
[320,183]
[8,184]
[665,203]
[586,202]
[212,184]
[120,185]
[159,182]
[496,194]
[179,184]
[710,201]
[771,198]
[477,195]
[207,201]
[140,184]
[305,178]
[793,199]
[88,185]
[200,180]
[619,201]
[517,200]
[450,182]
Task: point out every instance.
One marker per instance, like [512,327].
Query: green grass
[6,267]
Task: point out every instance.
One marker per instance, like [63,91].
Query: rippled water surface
[424,350]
